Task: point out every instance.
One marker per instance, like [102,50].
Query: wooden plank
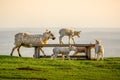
[62,45]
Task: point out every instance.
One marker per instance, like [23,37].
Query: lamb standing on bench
[68,32]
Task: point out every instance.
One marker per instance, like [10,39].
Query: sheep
[99,50]
[82,50]
[79,50]
[27,40]
[62,50]
[68,32]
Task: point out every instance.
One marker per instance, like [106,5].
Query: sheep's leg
[98,56]
[73,40]
[60,40]
[102,56]
[63,56]
[95,55]
[52,56]
[18,49]
[13,50]
[68,57]
[69,40]
[42,51]
[55,56]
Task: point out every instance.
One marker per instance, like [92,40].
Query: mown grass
[16,68]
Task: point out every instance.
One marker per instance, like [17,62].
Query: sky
[60,13]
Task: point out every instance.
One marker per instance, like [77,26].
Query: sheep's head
[49,35]
[78,33]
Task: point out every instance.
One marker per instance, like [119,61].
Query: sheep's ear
[96,40]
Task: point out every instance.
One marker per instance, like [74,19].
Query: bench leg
[37,52]
[88,53]
[89,49]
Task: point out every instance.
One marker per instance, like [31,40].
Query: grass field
[16,68]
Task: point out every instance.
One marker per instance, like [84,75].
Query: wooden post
[38,49]
[89,51]
[37,52]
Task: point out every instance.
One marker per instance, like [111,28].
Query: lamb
[68,32]
[99,50]
[79,50]
[82,50]
[62,50]
[27,40]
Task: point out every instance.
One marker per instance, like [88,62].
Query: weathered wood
[37,52]
[87,46]
[89,49]
[62,45]
[88,52]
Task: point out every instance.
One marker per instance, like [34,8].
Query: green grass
[16,68]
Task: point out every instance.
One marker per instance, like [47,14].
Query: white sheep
[27,40]
[99,50]
[82,50]
[79,50]
[62,50]
[68,32]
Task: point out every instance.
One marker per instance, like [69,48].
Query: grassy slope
[46,69]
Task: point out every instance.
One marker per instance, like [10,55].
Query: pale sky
[60,13]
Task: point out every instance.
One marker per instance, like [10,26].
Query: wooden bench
[87,46]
